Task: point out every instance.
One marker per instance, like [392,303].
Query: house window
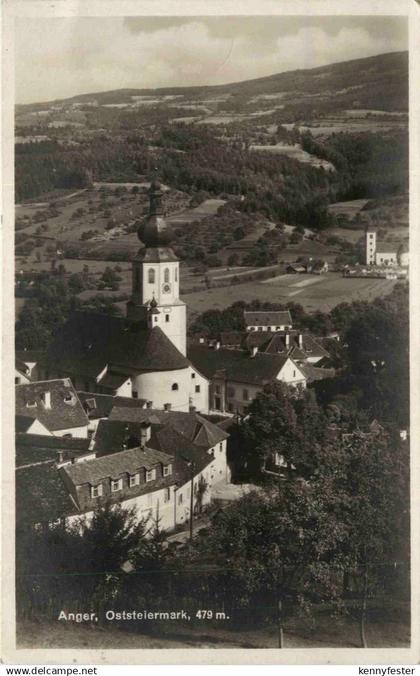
[167,318]
[230,408]
[180,499]
[230,391]
[175,386]
[294,373]
[17,380]
[167,470]
[245,395]
[151,276]
[166,275]
[220,447]
[156,319]
[150,475]
[197,388]
[176,274]
[260,328]
[192,375]
[167,495]
[134,480]
[135,394]
[116,485]
[67,436]
[96,491]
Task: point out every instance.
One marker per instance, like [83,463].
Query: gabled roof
[113,466]
[101,405]
[236,365]
[23,423]
[88,342]
[192,426]
[65,410]
[268,318]
[29,356]
[111,435]
[34,448]
[313,373]
[41,496]
[22,367]
[387,247]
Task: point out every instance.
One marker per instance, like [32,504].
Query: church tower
[370,245]
[155,283]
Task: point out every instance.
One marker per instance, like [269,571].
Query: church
[143,355]
[381,253]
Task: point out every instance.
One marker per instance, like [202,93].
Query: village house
[383,254]
[22,373]
[267,320]
[301,346]
[237,376]
[50,407]
[151,463]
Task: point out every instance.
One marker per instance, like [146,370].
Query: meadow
[312,292]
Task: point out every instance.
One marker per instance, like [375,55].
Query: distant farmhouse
[384,253]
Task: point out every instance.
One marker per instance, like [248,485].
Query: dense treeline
[368,165]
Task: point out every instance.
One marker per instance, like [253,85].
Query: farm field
[207,208]
[319,293]
[296,152]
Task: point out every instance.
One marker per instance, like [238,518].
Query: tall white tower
[155,286]
[370,244]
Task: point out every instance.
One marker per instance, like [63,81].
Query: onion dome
[154,231]
[153,308]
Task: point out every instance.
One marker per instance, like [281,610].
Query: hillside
[378,82]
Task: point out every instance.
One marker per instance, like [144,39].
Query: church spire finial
[155,232]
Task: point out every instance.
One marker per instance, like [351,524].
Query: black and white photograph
[212,256]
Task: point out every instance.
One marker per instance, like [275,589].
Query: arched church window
[175,386]
[166,275]
[151,276]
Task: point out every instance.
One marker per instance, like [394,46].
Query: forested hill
[379,82]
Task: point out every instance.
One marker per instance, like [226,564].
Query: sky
[62,57]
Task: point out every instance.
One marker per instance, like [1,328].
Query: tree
[376,513]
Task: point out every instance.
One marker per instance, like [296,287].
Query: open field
[295,152]
[207,208]
[350,208]
[323,293]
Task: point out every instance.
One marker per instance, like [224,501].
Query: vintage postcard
[209,245]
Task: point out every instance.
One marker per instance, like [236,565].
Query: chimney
[145,433]
[254,351]
[46,399]
[300,339]
[167,407]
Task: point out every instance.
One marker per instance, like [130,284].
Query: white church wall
[157,387]
[199,390]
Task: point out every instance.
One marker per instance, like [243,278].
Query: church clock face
[166,288]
